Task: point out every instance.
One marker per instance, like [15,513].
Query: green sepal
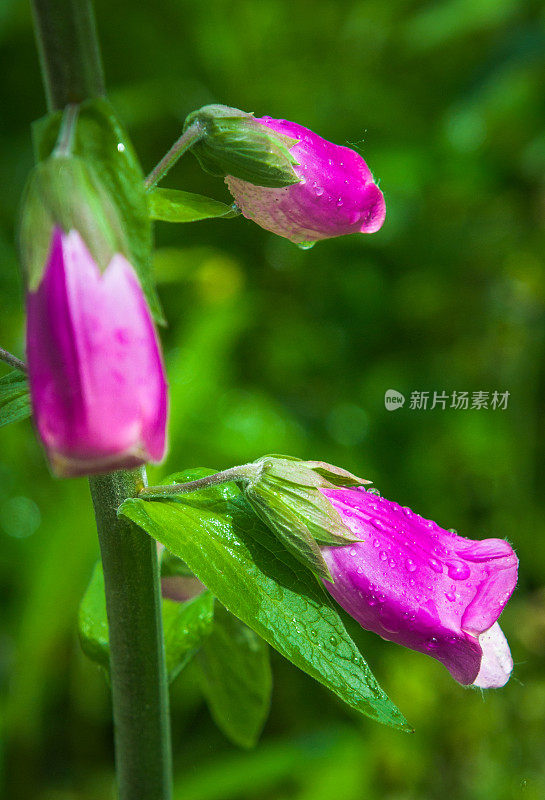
[88,209]
[258,580]
[173,205]
[233,142]
[14,398]
[286,496]
[234,672]
[102,143]
[185,626]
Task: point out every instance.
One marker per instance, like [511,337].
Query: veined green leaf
[173,205]
[235,675]
[14,398]
[185,626]
[259,581]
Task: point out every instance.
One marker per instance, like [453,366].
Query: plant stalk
[137,660]
[72,72]
[242,474]
[13,361]
[69,51]
[180,146]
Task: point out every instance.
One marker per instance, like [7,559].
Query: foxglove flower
[423,587]
[336,193]
[96,376]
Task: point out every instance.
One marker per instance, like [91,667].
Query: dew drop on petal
[435,565]
[458,571]
[411,566]
[383,555]
[305,245]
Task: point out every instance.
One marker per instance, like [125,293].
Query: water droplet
[435,565]
[372,601]
[120,147]
[383,555]
[376,542]
[305,245]
[391,562]
[411,566]
[431,643]
[319,191]
[353,552]
[450,596]
[412,582]
[453,531]
[373,491]
[333,641]
[346,180]
[407,511]
[458,571]
[339,202]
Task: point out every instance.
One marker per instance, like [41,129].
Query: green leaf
[93,622]
[234,671]
[103,144]
[14,398]
[257,579]
[185,626]
[173,205]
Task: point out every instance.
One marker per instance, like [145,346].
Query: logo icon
[393,400]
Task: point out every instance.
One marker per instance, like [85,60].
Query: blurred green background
[272,349]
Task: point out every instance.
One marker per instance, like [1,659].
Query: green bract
[233,142]
[286,496]
[101,142]
[65,192]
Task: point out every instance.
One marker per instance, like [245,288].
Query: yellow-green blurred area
[272,349]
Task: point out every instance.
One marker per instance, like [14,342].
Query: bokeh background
[272,349]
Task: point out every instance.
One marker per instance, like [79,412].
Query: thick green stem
[137,661]
[72,72]
[69,51]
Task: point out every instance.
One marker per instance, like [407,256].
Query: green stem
[243,474]
[72,72]
[188,138]
[69,51]
[137,660]
[12,360]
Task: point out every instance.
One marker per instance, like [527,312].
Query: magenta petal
[336,194]
[421,586]
[96,374]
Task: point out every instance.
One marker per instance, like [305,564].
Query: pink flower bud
[423,587]
[336,193]
[96,376]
